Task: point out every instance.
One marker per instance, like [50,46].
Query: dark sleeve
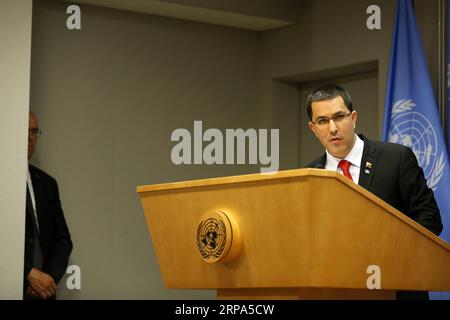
[62,243]
[416,195]
[28,261]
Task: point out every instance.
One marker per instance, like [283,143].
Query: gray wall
[287,10]
[109,96]
[15,52]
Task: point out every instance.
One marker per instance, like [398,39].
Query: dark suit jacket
[54,234]
[395,177]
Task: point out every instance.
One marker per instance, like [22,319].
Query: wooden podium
[305,234]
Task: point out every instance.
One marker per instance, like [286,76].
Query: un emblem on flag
[412,129]
[218,238]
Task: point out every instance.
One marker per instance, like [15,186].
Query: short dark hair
[328,92]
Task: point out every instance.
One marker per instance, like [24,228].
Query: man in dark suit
[47,239]
[390,171]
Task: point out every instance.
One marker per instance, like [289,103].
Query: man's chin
[337,153]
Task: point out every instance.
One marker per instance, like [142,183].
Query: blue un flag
[411,114]
[448,81]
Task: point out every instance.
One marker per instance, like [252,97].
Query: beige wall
[15,51]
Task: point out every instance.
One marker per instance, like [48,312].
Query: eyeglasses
[337,118]
[35,132]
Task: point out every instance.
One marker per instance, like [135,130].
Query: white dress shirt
[354,157]
[33,200]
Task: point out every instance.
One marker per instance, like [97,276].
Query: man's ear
[312,127]
[354,117]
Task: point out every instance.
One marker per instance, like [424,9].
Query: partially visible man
[47,239]
[394,176]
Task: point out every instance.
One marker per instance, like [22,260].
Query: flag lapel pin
[368,167]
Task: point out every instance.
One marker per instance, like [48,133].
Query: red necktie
[345,166]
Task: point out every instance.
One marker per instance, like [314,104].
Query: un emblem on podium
[218,238]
